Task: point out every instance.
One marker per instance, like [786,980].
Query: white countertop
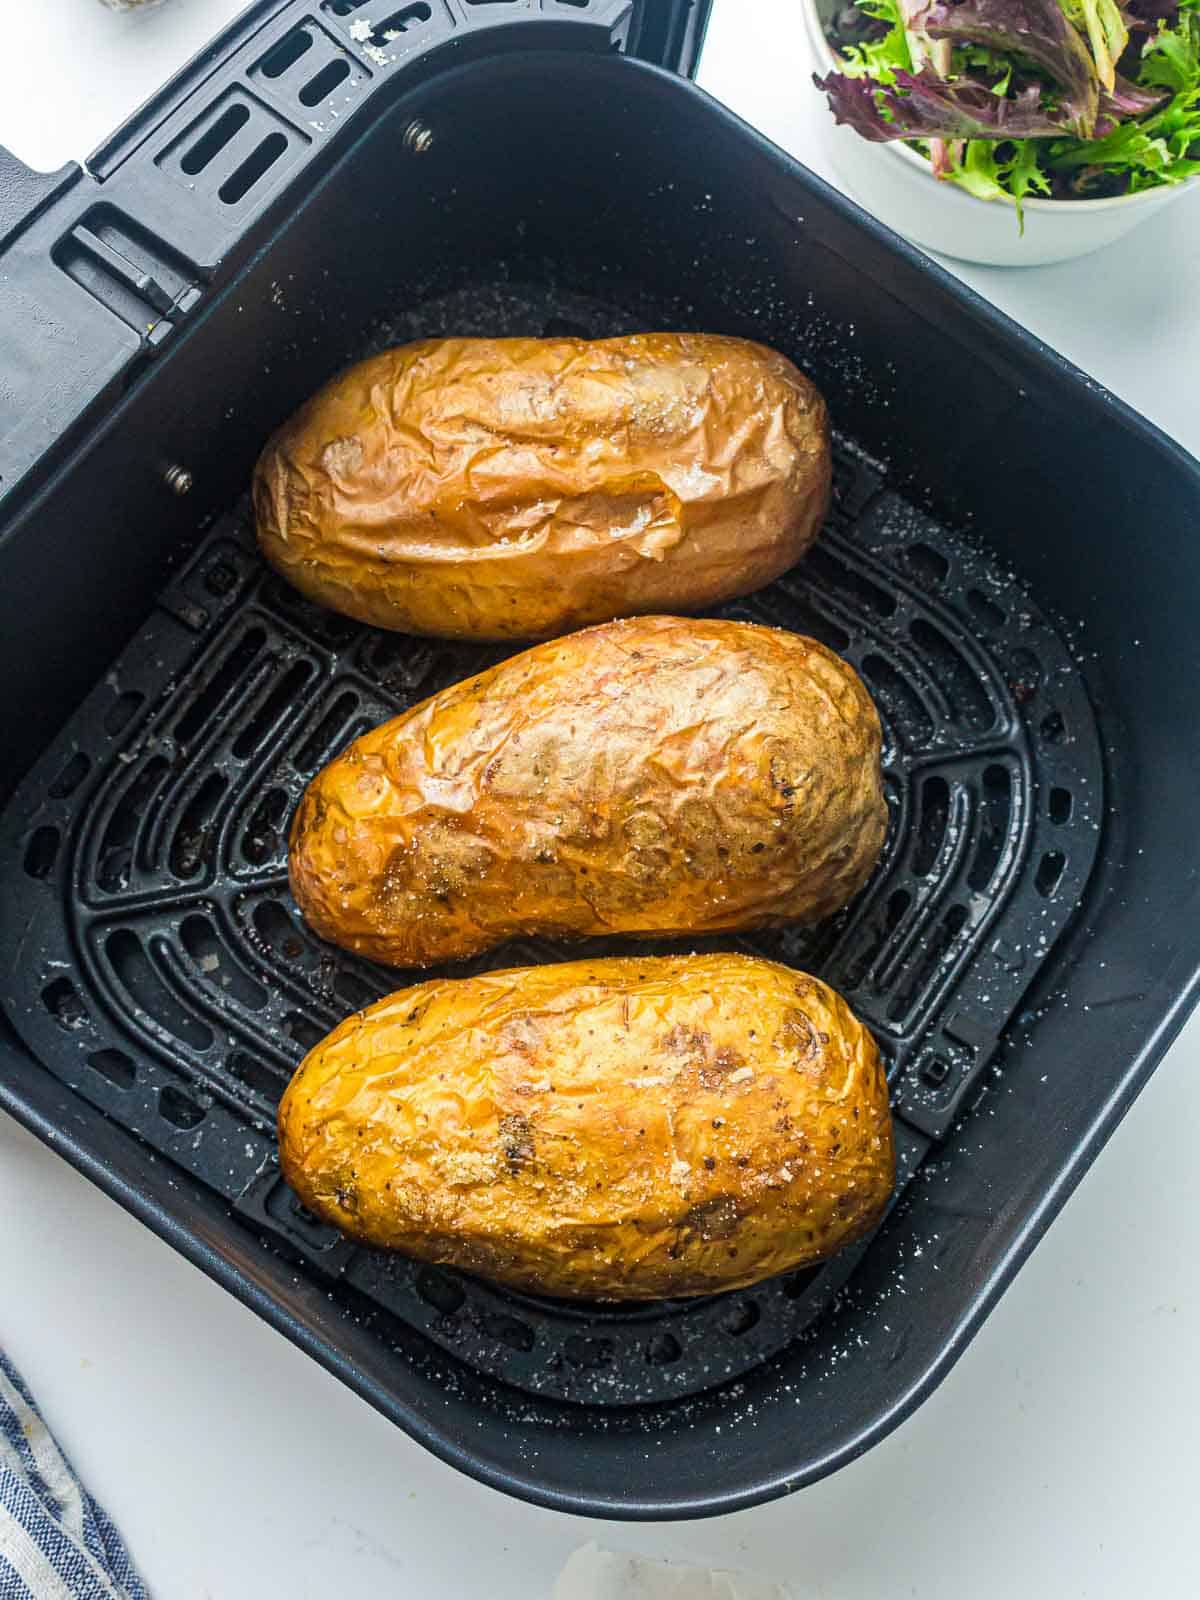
[1057,1461]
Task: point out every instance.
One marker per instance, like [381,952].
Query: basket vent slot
[179,1109]
[279,934]
[321,86]
[286,53]
[65,1004]
[114,1065]
[210,144]
[262,1079]
[191,848]
[231,675]
[995,808]
[282,697]
[256,165]
[71,776]
[122,711]
[959,683]
[927,565]
[899,701]
[937,951]
[931,829]
[261,838]
[134,971]
[42,851]
[210,955]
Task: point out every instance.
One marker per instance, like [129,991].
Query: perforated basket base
[153,960]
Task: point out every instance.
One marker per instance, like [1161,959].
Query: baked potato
[658,775]
[619,1129]
[519,488]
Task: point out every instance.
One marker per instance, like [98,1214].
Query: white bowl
[897,185]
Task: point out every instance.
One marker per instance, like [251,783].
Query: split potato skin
[626,1129]
[521,488]
[654,776]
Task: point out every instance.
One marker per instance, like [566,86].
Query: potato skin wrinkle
[655,776]
[619,1129]
[520,488]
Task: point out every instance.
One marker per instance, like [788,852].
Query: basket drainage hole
[515,1334]
[1049,873]
[934,961]
[211,144]
[121,712]
[327,735]
[440,1292]
[255,1074]
[741,1318]
[1053,728]
[286,53]
[179,1109]
[305,1033]
[278,932]
[926,564]
[260,160]
[325,82]
[592,1353]
[114,1065]
[261,838]
[995,815]
[199,938]
[232,675]
[1026,676]
[663,1349]
[113,870]
[192,845]
[399,22]
[1060,806]
[65,1004]
[931,830]
[42,852]
[984,610]
[899,701]
[71,776]
[282,698]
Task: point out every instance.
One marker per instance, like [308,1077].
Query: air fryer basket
[1022,978]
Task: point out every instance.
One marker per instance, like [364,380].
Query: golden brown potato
[620,1130]
[659,775]
[518,488]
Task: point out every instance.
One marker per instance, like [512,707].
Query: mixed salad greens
[1070,99]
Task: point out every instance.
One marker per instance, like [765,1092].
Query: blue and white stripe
[56,1543]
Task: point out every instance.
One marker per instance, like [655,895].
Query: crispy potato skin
[617,1129]
[658,775]
[519,488]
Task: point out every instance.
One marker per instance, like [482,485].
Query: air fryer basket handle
[23,192]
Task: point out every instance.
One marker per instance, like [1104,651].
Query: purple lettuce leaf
[1126,100]
[1039,31]
[924,106]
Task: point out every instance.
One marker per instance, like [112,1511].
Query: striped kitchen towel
[55,1541]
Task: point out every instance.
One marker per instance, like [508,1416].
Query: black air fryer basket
[329,179]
